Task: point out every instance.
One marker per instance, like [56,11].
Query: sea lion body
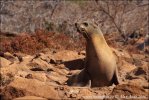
[100,62]
[100,67]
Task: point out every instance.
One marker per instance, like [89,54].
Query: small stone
[81,53]
[73,95]
[52,61]
[49,70]
[29,76]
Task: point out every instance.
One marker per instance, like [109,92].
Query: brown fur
[101,67]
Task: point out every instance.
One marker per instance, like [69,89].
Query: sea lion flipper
[115,79]
[79,79]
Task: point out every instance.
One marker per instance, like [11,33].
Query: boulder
[22,87]
[4,62]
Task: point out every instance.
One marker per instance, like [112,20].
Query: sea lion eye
[85,24]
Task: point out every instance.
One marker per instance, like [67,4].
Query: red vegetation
[33,43]
[36,42]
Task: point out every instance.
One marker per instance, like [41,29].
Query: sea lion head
[87,29]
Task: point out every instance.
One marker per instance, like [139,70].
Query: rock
[27,58]
[36,69]
[9,56]
[138,56]
[126,91]
[29,76]
[4,62]
[139,82]
[14,68]
[5,79]
[58,78]
[45,57]
[67,55]
[39,63]
[124,69]
[41,76]
[137,62]
[46,51]
[72,93]
[35,66]
[22,87]
[30,98]
[122,57]
[19,56]
[56,62]
[70,59]
[75,64]
[37,56]
[145,65]
[82,53]
[138,73]
[52,61]
[61,71]
[85,92]
[121,53]
[42,56]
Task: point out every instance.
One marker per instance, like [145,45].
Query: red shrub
[33,43]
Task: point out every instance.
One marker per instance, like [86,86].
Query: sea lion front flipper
[79,79]
[115,78]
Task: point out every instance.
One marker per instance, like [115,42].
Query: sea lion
[101,65]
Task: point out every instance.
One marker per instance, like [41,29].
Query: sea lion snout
[76,24]
[79,28]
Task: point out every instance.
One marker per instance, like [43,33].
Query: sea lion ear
[96,23]
[95,26]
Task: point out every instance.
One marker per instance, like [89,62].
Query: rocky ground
[27,71]
[44,76]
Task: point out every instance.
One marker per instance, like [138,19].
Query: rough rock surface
[126,91]
[44,76]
